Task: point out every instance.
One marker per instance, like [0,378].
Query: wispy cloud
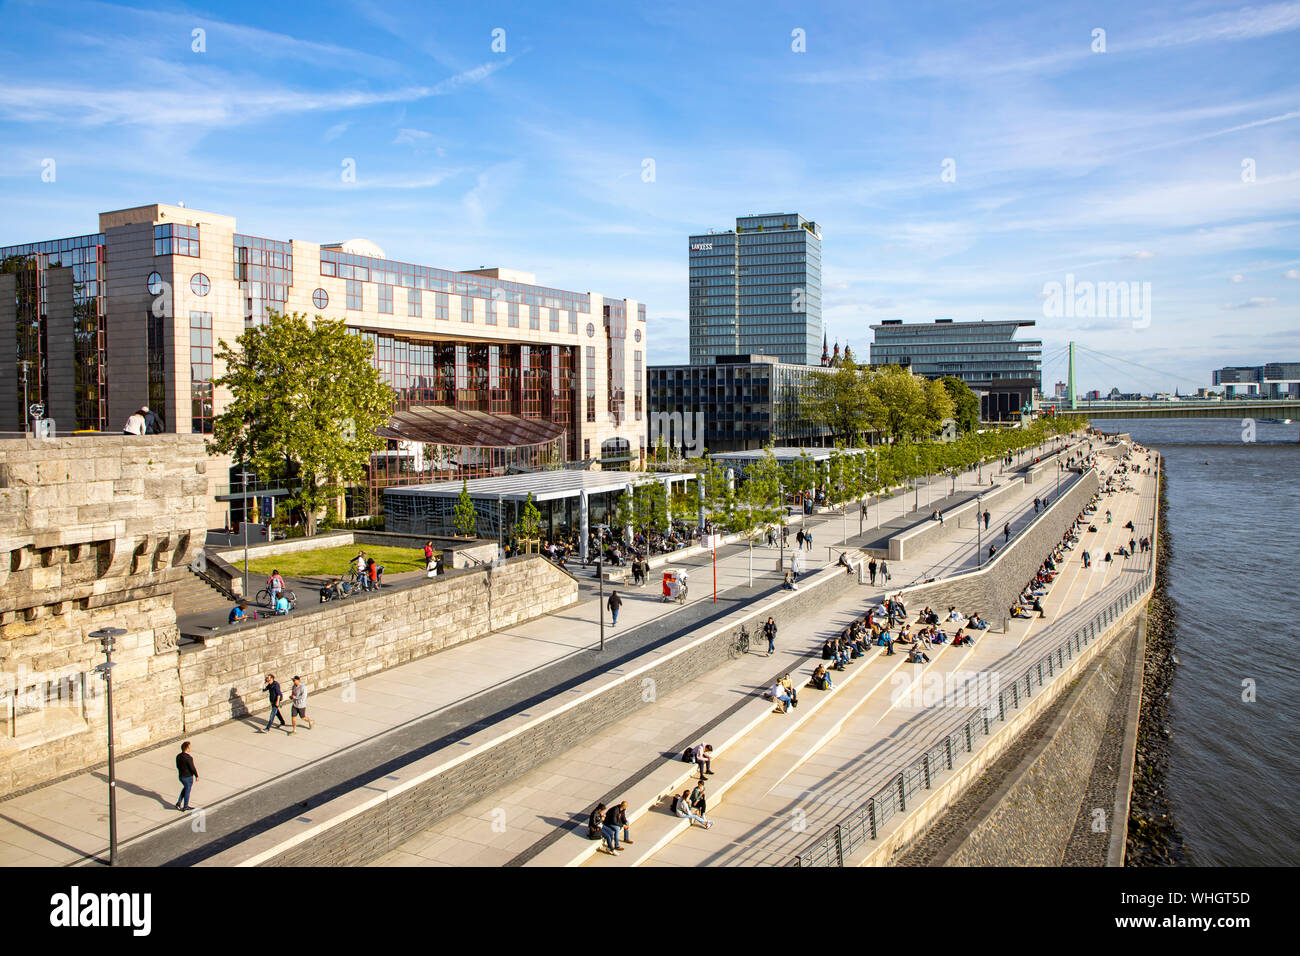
[1256,303]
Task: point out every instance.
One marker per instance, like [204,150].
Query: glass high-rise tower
[758,290]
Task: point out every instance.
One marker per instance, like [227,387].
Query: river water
[1234,519]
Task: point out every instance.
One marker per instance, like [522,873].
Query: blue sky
[1117,166]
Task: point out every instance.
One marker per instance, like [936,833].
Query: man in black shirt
[274,696]
[185,770]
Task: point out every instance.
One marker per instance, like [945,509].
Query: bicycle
[740,646]
[264,598]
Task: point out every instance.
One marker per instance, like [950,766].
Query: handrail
[865,822]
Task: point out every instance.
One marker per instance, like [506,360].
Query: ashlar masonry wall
[348,640]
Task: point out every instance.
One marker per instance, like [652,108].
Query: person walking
[188,774]
[871,570]
[807,539]
[615,602]
[796,564]
[769,631]
[799,539]
[1006,532]
[884,572]
[273,694]
[986,520]
[298,704]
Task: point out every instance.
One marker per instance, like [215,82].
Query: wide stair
[195,595]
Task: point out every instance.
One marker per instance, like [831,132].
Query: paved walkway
[521,822]
[249,781]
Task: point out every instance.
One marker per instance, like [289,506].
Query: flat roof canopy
[784,454]
[544,485]
[449,426]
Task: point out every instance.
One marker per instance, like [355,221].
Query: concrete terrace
[248,781]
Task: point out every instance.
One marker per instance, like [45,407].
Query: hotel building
[492,372]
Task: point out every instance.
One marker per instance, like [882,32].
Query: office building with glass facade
[492,372]
[1274,380]
[1004,371]
[746,401]
[757,290]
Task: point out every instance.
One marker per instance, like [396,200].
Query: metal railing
[865,823]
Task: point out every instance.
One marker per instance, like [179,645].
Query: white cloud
[411,137]
[1256,303]
[1239,278]
[334,132]
[1291,274]
[1141,254]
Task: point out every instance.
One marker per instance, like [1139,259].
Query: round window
[320,298]
[199,284]
[637,335]
[155,283]
[591,329]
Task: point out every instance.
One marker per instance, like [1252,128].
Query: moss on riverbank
[1153,837]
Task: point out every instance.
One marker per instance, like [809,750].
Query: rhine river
[1234,519]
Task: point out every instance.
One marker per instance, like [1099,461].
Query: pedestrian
[1037,501]
[769,631]
[188,774]
[1006,532]
[796,564]
[298,708]
[884,572]
[1087,560]
[986,520]
[871,570]
[428,553]
[615,602]
[993,549]
[275,584]
[799,539]
[272,688]
[807,539]
[134,424]
[372,575]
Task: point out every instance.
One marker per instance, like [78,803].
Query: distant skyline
[958,161]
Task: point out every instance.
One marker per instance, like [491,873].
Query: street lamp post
[979,531]
[600,577]
[107,637]
[243,524]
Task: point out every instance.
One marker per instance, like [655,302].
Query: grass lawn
[334,561]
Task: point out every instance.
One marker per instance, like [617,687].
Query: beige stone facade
[153,324]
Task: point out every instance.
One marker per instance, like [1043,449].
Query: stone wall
[348,640]
[991,589]
[97,531]
[94,532]
[1028,821]
[927,533]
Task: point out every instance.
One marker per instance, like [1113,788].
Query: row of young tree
[756,500]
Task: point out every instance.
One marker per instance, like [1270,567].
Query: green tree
[841,401]
[939,407]
[306,400]
[966,404]
[899,409]
[466,514]
[529,526]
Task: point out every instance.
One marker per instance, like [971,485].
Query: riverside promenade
[249,782]
[779,779]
